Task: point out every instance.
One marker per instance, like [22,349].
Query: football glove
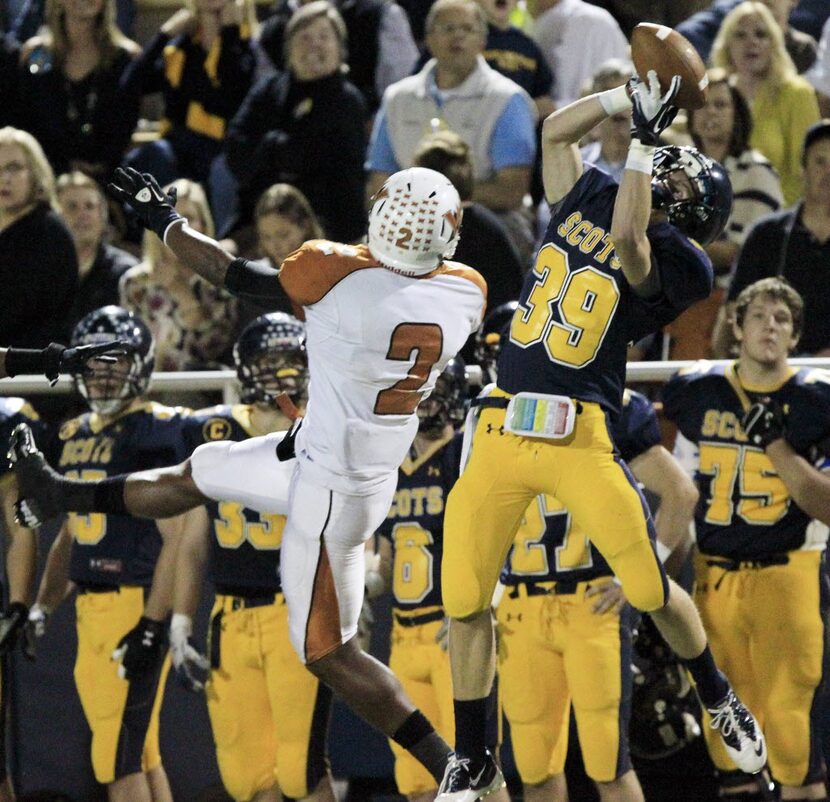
[12,623]
[141,649]
[153,207]
[190,664]
[57,358]
[764,422]
[651,112]
[40,495]
[34,630]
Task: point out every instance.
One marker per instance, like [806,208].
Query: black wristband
[25,361]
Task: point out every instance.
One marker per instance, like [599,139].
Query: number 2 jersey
[745,511]
[548,547]
[117,549]
[376,342]
[577,313]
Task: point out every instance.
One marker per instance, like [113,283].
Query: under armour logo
[491,429]
[432,471]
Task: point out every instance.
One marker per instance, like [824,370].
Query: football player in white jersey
[382,321]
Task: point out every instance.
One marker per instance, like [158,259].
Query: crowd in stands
[331,98]
[279,121]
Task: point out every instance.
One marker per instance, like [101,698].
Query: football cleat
[741,736]
[40,496]
[459,785]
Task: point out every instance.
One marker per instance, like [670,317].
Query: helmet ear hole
[414,222]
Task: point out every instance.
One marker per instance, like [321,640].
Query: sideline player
[410,545]
[561,617]
[759,426]
[382,321]
[612,269]
[111,560]
[268,714]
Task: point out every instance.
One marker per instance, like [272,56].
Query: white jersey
[376,342]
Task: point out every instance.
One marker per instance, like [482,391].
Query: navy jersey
[12,412]
[548,546]
[117,549]
[577,313]
[514,54]
[245,545]
[745,511]
[415,524]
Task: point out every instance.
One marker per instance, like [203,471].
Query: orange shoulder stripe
[315,267]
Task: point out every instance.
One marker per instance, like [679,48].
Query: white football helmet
[414,222]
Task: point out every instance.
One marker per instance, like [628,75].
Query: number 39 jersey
[117,549]
[376,342]
[577,313]
[415,524]
[548,546]
[745,511]
[244,544]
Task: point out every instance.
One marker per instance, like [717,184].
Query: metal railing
[225,381]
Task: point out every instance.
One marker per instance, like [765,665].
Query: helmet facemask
[271,373]
[109,387]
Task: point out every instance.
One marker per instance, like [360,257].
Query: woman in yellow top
[750,47]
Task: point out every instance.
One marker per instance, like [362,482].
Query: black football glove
[764,422]
[141,649]
[652,111]
[153,207]
[12,623]
[40,493]
[77,359]
[57,358]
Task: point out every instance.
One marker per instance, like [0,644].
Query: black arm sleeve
[253,281]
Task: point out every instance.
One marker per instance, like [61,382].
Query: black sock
[712,685]
[419,738]
[471,731]
[102,495]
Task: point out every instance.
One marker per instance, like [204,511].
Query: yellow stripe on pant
[506,472]
[123,716]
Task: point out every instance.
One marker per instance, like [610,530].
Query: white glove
[191,666]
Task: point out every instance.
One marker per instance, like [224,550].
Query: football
[669,53]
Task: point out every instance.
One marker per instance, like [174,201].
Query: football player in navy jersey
[758,428]
[269,715]
[110,560]
[618,262]
[410,545]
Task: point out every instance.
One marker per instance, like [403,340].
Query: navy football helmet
[109,387]
[664,706]
[447,403]
[490,334]
[270,359]
[699,204]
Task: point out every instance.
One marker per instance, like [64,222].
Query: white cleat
[741,735]
[459,785]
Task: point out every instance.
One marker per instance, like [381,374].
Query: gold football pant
[554,651]
[123,716]
[269,714]
[766,630]
[505,473]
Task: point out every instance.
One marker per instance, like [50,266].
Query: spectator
[306,127]
[84,209]
[203,61]
[381,47]
[70,99]
[457,90]
[819,75]
[721,130]
[485,243]
[514,54]
[193,323]
[38,266]
[284,220]
[801,46]
[750,47]
[794,244]
[575,37]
